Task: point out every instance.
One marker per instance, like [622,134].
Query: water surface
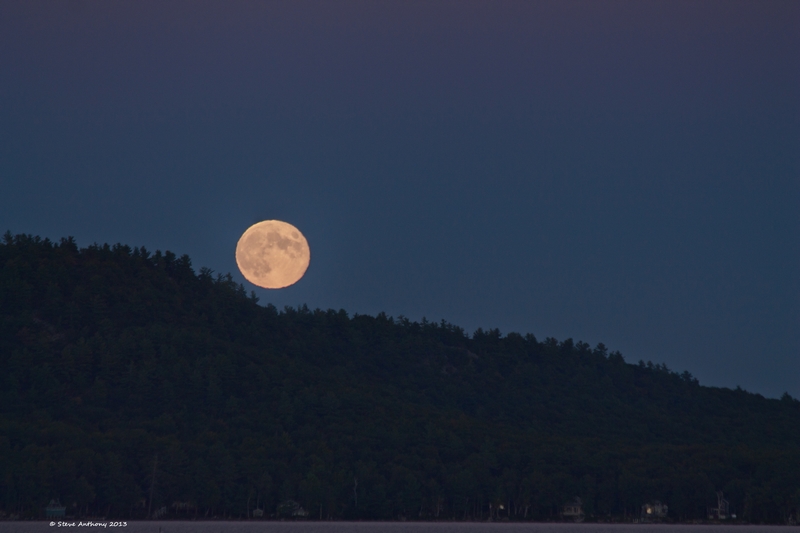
[375,527]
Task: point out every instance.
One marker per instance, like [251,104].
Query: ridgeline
[130,386]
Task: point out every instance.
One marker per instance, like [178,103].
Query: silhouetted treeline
[131,386]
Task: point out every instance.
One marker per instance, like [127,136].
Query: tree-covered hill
[130,384]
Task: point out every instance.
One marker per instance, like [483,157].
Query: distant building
[654,511]
[291,508]
[258,513]
[721,511]
[182,506]
[573,510]
[54,508]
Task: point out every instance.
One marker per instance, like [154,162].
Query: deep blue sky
[616,172]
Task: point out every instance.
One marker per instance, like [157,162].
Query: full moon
[272,254]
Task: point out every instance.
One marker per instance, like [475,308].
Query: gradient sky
[616,172]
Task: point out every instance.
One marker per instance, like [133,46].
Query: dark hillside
[123,374]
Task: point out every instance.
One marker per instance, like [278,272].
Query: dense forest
[132,386]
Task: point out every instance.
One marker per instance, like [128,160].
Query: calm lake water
[380,527]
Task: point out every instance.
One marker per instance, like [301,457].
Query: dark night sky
[617,172]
